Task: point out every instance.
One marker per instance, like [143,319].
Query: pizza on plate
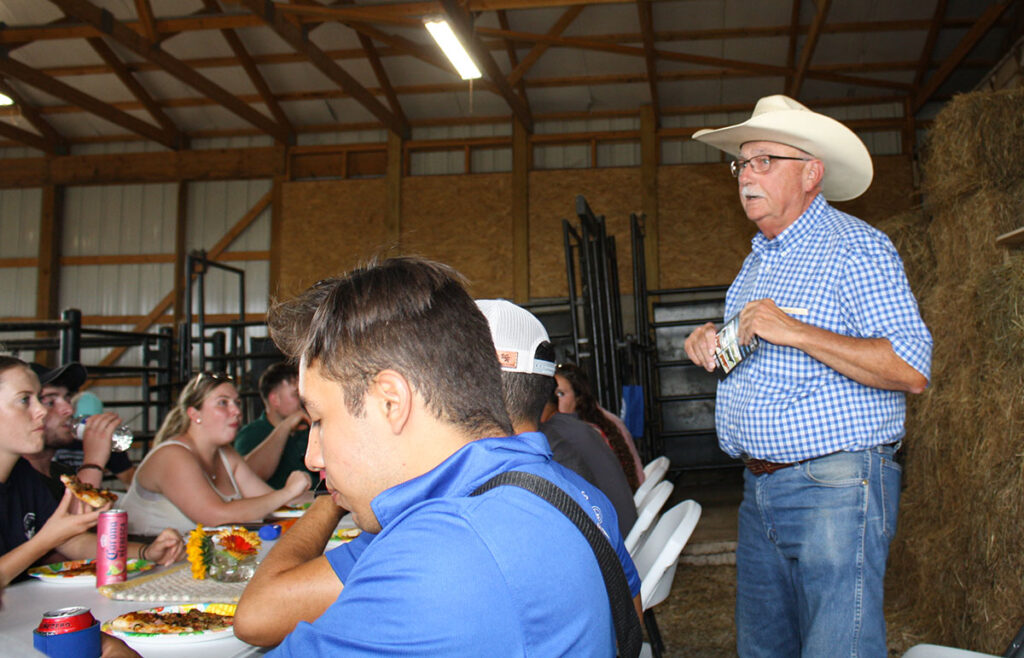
[87,493]
[171,623]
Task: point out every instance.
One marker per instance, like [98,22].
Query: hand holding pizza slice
[87,493]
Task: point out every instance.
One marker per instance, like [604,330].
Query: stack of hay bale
[956,575]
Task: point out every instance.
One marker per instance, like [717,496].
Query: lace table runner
[173,584]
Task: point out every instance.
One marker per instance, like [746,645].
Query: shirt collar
[794,233]
[461,474]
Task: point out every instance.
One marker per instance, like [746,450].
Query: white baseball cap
[516,334]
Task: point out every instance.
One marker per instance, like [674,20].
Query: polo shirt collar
[795,232]
[461,474]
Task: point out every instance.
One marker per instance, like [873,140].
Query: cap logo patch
[508,358]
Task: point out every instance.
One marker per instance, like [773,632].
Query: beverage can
[112,547]
[65,620]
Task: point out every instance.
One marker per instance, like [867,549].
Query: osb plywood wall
[614,193]
[466,221]
[327,228]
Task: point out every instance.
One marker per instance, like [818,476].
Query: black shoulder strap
[628,634]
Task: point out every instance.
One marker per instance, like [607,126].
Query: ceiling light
[452,47]
[6,100]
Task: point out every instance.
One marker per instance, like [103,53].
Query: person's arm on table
[294,582]
[251,484]
[264,458]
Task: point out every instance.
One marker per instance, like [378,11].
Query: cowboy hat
[781,119]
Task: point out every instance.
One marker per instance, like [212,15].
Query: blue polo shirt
[500,574]
[781,404]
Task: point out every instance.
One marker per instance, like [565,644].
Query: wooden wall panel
[466,222]
[613,192]
[328,227]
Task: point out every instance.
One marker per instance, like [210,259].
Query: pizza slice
[170,623]
[87,493]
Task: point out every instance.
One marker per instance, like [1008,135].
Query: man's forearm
[264,458]
[868,361]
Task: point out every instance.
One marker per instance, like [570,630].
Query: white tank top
[150,512]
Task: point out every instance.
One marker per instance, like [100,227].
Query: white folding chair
[654,473]
[657,559]
[646,513]
[936,651]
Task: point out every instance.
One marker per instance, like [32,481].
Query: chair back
[657,559]
[654,473]
[646,513]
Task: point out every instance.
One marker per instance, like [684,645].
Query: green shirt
[292,457]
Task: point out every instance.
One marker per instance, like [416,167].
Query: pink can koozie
[112,547]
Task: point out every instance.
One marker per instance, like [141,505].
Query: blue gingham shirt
[782,405]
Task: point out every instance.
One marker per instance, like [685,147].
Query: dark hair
[406,314]
[7,362]
[193,395]
[527,394]
[283,371]
[587,409]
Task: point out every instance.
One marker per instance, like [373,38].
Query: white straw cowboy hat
[781,119]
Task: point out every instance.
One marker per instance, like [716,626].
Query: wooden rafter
[563,22]
[929,44]
[382,76]
[213,254]
[27,138]
[513,59]
[646,16]
[105,22]
[967,43]
[299,42]
[145,13]
[401,45]
[15,69]
[794,34]
[57,144]
[111,59]
[462,25]
[810,43]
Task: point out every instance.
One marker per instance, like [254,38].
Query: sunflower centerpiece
[228,555]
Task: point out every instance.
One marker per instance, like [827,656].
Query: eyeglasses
[759,164]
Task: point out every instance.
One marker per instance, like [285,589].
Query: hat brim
[70,375]
[848,168]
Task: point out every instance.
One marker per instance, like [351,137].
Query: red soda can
[65,620]
[112,547]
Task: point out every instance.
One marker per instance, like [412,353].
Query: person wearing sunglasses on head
[816,413]
[193,475]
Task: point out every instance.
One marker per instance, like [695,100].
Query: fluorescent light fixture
[452,48]
[6,100]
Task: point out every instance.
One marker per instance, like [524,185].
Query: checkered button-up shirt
[782,405]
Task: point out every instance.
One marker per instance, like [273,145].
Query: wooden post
[649,160]
[276,234]
[394,189]
[51,231]
[520,213]
[181,279]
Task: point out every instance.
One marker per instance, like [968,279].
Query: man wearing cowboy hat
[816,412]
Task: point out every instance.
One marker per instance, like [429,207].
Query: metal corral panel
[120,219]
[19,223]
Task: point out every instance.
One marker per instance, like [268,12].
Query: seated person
[193,475]
[63,453]
[576,397]
[398,373]
[33,525]
[274,444]
[529,388]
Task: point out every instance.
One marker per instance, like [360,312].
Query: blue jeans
[810,565]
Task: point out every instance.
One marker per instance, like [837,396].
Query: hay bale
[957,569]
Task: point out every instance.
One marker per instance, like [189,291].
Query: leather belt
[763,466]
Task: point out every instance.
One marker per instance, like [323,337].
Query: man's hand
[168,547]
[701,345]
[764,319]
[114,647]
[296,421]
[96,444]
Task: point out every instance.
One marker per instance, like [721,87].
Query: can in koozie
[112,547]
[68,633]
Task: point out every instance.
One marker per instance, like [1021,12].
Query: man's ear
[272,399]
[394,397]
[814,172]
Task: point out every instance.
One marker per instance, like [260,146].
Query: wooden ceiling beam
[794,33]
[513,59]
[111,59]
[967,43]
[30,112]
[563,22]
[104,21]
[382,77]
[299,42]
[27,138]
[810,44]
[145,13]
[15,69]
[646,17]
[462,24]
[929,44]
